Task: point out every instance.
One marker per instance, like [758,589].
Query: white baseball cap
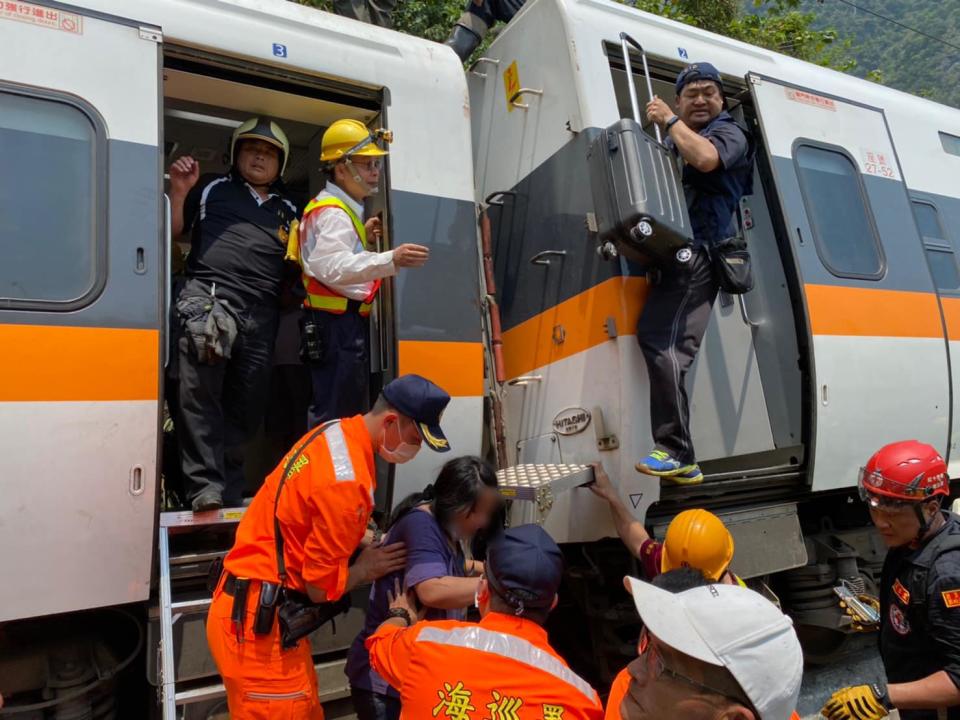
[733,627]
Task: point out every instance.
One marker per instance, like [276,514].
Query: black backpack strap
[277,534]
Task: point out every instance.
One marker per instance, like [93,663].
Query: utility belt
[313,348]
[353,306]
[297,614]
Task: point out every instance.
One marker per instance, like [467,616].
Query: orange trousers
[263,682]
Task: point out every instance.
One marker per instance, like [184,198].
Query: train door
[877,355]
[82,264]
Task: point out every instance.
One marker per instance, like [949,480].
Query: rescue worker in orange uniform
[342,271]
[290,565]
[695,538]
[502,668]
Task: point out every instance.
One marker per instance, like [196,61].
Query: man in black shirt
[717,171]
[228,308]
[903,485]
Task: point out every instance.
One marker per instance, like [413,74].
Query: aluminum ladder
[176,523]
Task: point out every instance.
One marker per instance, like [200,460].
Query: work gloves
[858,702]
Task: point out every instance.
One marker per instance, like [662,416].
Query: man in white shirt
[342,271]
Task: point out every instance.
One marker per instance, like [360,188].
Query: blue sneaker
[693,476]
[661,464]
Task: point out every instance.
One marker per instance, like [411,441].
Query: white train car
[96,99]
[849,340]
[846,343]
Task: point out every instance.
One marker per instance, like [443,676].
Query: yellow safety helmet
[697,539]
[346,138]
[262,129]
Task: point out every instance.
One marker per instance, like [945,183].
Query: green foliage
[781,25]
[893,55]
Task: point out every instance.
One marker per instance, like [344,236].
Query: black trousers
[369,705]
[222,405]
[341,379]
[670,331]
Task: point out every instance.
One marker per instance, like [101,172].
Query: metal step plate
[531,482]
[186,519]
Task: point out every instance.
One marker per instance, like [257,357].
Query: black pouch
[311,340]
[299,617]
[214,573]
[731,265]
[266,608]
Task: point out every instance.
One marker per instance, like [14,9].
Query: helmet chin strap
[924,523]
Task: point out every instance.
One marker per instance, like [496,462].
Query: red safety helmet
[905,471]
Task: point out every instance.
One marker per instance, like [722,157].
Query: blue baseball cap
[525,567]
[424,403]
[698,71]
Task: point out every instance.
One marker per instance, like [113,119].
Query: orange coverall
[323,510]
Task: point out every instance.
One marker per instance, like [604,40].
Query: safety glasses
[875,489]
[367,165]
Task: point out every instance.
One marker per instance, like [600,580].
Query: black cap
[698,71]
[524,567]
[424,403]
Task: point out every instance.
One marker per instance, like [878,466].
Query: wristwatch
[670,123]
[401,613]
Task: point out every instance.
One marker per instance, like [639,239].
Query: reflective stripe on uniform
[339,454]
[508,646]
[319,296]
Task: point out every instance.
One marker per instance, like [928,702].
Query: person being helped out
[695,538]
[290,566]
[228,307]
[717,159]
[432,524]
[904,484]
[342,271]
[717,651]
[502,667]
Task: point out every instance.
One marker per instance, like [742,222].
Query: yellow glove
[857,619]
[860,702]
[293,243]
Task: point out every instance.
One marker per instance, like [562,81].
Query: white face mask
[401,453]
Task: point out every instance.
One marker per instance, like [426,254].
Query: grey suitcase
[637,192]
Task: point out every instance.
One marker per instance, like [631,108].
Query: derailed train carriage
[846,342]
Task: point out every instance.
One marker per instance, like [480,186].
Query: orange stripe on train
[580,322]
[839,310]
[44,363]
[457,367]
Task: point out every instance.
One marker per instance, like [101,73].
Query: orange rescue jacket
[501,668]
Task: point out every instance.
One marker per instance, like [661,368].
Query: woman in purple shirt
[432,523]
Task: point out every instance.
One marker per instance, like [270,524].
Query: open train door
[82,272]
[877,355]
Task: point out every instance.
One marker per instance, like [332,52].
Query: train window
[943,266]
[951,143]
[48,197]
[928,221]
[843,230]
[940,256]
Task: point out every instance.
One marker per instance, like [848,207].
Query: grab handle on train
[628,67]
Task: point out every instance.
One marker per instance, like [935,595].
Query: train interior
[205,99]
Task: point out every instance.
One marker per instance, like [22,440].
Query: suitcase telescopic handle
[628,66]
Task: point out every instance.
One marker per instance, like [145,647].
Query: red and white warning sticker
[42,16]
[808,98]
